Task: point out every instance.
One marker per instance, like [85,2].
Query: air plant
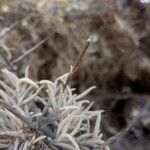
[41,115]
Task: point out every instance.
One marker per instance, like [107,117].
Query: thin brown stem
[74,68]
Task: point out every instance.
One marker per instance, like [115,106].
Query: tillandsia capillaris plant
[41,115]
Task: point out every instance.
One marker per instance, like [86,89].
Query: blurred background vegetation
[117,62]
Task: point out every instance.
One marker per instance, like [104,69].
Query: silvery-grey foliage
[59,116]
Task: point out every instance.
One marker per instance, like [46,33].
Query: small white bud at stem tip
[90,39]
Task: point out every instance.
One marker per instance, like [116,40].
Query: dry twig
[74,68]
[28,52]
[8,29]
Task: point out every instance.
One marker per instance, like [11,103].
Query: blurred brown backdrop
[117,62]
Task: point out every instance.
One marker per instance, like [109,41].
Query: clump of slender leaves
[42,115]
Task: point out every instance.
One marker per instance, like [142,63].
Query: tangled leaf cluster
[50,117]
